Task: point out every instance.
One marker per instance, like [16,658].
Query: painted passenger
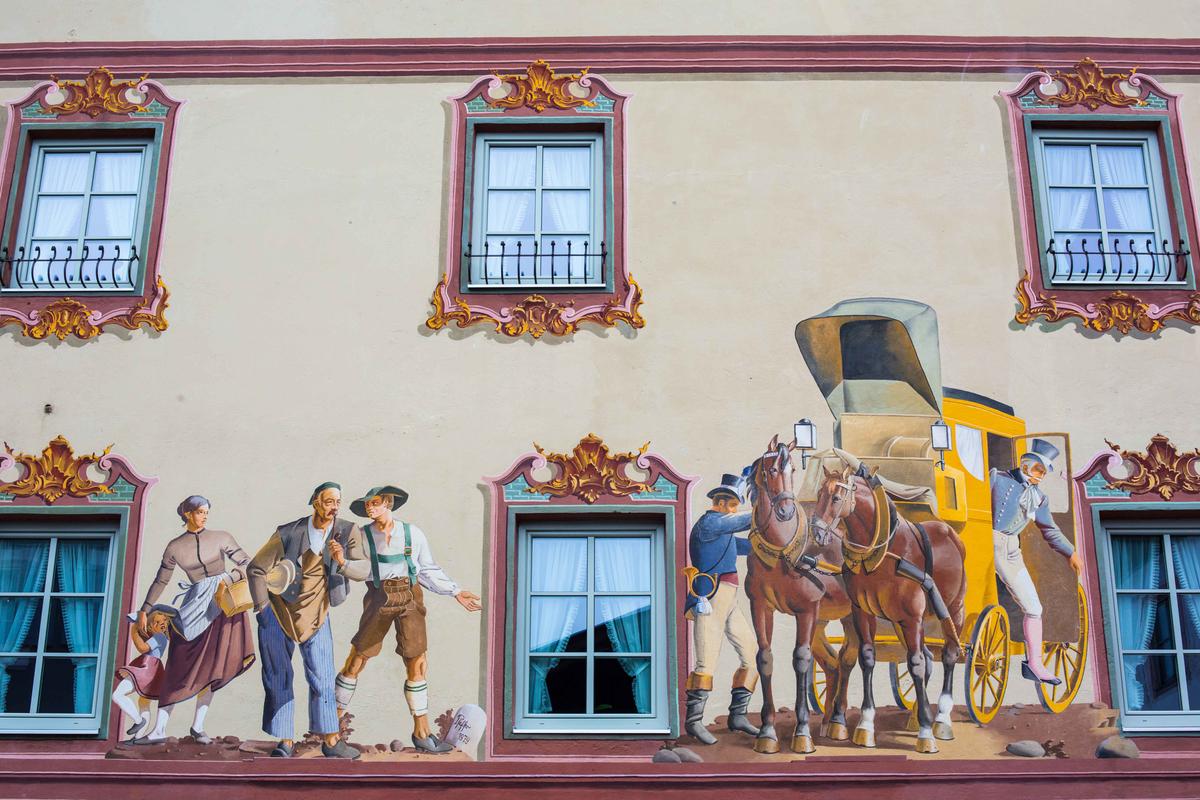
[295,578]
[139,681]
[208,649]
[400,564]
[1017,501]
[712,605]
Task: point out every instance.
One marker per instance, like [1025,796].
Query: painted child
[142,677]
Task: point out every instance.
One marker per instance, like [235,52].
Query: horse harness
[790,554]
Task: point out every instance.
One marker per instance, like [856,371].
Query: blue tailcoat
[714,548]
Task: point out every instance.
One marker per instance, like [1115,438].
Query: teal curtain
[1137,564]
[81,568]
[22,569]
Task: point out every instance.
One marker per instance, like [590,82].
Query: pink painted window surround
[83,189]
[1105,203]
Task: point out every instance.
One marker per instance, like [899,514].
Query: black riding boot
[694,720]
[737,711]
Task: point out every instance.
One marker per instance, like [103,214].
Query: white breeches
[1010,567]
[725,622]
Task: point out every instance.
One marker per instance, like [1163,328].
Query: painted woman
[208,649]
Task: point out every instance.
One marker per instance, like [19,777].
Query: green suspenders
[402,558]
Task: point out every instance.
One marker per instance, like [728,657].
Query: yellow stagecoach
[877,362]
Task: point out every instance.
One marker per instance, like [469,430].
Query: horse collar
[866,558]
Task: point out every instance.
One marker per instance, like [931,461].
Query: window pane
[1145,622]
[1070,164]
[16,685]
[1138,562]
[566,212]
[74,625]
[46,263]
[1151,683]
[111,217]
[622,686]
[623,564]
[1191,665]
[558,564]
[557,625]
[81,565]
[1185,557]
[65,172]
[23,564]
[567,167]
[510,212]
[109,262]
[1074,209]
[117,172]
[20,624]
[511,167]
[58,216]
[557,685]
[1189,620]
[1121,164]
[507,259]
[1127,209]
[68,686]
[623,625]
[1132,256]
[567,258]
[1077,254]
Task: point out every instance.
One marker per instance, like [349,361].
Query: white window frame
[658,721]
[484,143]
[1156,176]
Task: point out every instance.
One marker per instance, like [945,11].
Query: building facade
[912,284]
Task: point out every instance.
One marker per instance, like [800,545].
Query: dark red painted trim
[956,54]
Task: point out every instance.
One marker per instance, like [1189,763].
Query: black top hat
[731,486]
[399,498]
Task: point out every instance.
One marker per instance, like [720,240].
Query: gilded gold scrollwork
[1162,469]
[589,471]
[54,473]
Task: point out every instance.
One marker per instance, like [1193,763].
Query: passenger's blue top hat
[1043,451]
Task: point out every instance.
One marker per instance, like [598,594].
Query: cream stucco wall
[303,238]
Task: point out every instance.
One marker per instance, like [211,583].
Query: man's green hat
[399,498]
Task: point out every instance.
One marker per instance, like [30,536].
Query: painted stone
[467,728]
[1026,748]
[665,756]
[1118,747]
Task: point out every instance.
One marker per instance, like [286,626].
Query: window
[591,630]
[537,214]
[56,604]
[83,216]
[1155,588]
[1102,210]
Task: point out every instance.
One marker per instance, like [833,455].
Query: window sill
[60,315]
[541,287]
[1122,311]
[1115,284]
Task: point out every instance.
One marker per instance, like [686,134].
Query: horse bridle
[777,500]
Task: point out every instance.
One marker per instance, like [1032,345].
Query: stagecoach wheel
[1066,660]
[816,688]
[902,685]
[987,665]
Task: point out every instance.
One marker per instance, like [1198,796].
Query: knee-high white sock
[343,690]
[202,702]
[160,726]
[121,696]
[417,695]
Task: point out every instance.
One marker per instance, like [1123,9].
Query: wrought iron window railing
[92,268]
[535,266]
[1088,261]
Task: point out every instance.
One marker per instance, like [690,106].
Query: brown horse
[781,577]
[901,571]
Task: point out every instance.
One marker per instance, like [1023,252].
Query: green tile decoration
[517,491]
[122,492]
[480,106]
[602,105]
[662,489]
[1097,486]
[155,109]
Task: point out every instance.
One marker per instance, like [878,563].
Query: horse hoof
[836,731]
[766,746]
[802,744]
[943,731]
[863,738]
[926,746]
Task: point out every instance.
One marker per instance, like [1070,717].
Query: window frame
[658,722]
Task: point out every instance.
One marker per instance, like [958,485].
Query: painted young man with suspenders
[401,563]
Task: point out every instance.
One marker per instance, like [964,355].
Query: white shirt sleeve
[429,574]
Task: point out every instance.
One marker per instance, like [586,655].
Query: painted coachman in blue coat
[712,606]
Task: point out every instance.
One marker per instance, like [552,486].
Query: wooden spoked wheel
[987,665]
[1066,660]
[816,688]
[902,685]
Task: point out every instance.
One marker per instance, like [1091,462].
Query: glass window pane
[622,686]
[1077,254]
[1191,665]
[1074,209]
[507,259]
[623,564]
[1069,164]
[74,625]
[557,685]
[567,258]
[1189,620]
[1132,256]
[566,212]
[557,625]
[68,686]
[81,565]
[510,212]
[1121,165]
[58,216]
[109,262]
[567,167]
[20,624]
[558,564]
[16,685]
[623,625]
[1138,562]
[117,172]
[1185,558]
[1145,621]
[64,172]
[1127,209]
[46,263]
[112,217]
[1151,683]
[23,564]
[511,167]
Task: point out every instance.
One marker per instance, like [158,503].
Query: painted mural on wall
[936,529]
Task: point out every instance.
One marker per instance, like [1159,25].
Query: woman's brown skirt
[209,661]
